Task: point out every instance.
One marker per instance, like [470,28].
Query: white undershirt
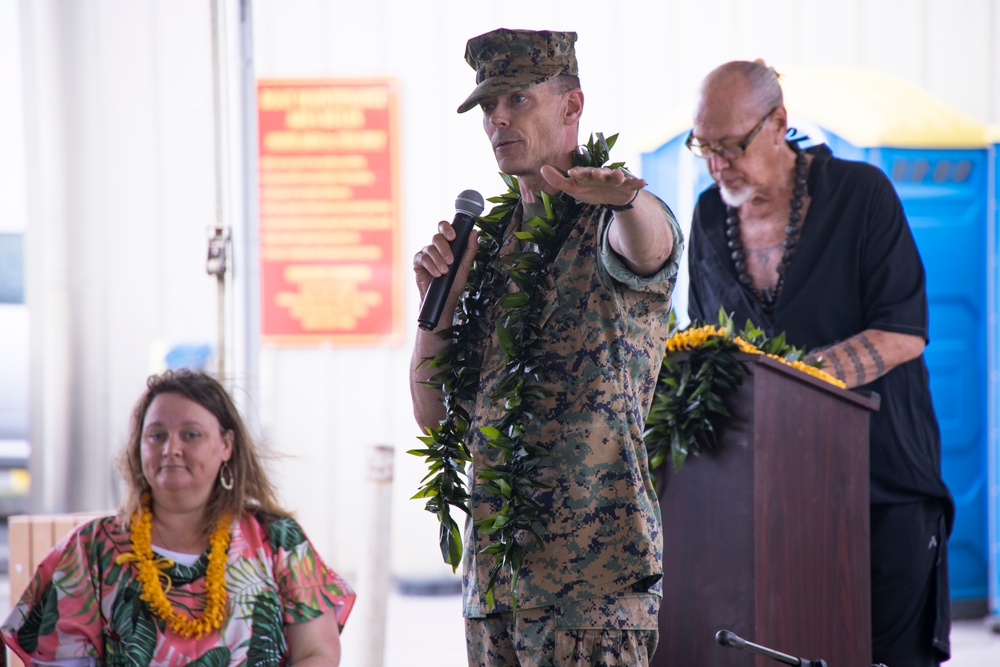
[177,556]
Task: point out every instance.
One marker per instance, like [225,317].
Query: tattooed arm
[867,356]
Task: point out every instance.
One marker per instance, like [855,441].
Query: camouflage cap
[509,60]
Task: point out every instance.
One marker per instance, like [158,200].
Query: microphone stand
[732,640]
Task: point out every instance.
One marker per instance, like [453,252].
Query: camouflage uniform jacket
[604,331]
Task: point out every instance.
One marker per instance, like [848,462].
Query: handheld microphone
[468,206]
[732,640]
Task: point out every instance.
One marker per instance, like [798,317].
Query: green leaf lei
[697,372]
[519,386]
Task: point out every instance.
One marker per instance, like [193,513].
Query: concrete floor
[427,631]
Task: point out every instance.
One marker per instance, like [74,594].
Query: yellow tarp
[869,108]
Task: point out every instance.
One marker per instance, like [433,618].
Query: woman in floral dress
[200,566]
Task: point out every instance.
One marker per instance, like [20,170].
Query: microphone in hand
[469,205]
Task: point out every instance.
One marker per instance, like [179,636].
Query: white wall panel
[46,249]
[991,83]
[121,230]
[894,39]
[959,41]
[830,36]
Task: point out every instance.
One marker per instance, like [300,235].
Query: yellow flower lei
[691,338]
[150,570]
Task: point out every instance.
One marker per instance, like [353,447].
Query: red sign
[329,212]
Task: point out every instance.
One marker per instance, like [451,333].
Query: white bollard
[374,571]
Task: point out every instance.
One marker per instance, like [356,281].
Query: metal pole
[218,247]
[218,242]
[245,285]
[221,319]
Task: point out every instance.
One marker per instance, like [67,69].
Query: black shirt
[855,267]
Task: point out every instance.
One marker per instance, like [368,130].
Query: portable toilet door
[938,160]
[944,195]
[993,454]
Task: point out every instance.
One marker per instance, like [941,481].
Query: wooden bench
[31,538]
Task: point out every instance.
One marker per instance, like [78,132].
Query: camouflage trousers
[613,631]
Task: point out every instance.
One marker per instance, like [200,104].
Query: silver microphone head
[471,202]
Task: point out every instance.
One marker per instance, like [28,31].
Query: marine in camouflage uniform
[589,592]
[602,340]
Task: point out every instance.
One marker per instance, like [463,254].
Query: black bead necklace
[768,297]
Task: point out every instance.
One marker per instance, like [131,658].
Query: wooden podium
[767,534]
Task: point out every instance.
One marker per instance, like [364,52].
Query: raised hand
[595,185]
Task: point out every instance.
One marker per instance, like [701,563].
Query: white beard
[735,198]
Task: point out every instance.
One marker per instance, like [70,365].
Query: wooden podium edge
[868,400]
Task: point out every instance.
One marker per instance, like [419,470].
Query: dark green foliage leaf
[514,300]
[216,657]
[450,538]
[691,388]
[133,631]
[41,620]
[285,533]
[267,639]
[506,339]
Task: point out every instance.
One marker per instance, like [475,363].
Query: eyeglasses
[729,150]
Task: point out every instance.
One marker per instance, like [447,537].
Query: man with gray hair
[819,248]
[544,371]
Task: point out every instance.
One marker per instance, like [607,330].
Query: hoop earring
[226,477]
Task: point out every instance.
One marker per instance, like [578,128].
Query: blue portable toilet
[938,161]
[993,138]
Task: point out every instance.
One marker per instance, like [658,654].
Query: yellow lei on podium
[698,370]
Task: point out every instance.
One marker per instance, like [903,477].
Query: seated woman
[200,566]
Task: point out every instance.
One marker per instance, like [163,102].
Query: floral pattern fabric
[81,603]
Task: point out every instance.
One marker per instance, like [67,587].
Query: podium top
[868,400]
